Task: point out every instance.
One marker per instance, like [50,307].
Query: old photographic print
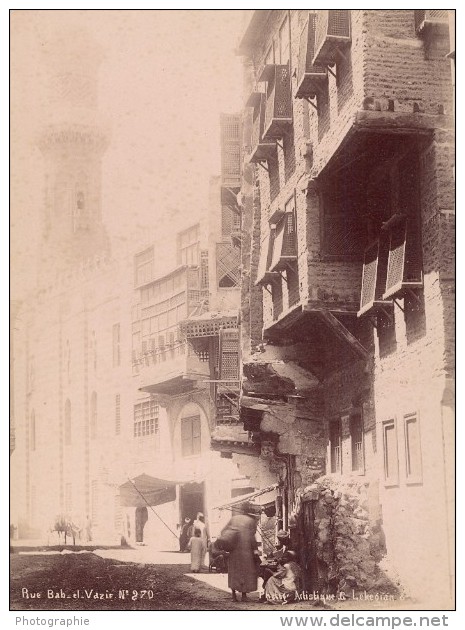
[232,310]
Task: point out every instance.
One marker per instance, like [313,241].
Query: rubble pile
[349,545]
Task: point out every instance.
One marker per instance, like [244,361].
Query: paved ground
[133,579]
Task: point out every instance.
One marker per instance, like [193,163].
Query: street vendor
[271,562]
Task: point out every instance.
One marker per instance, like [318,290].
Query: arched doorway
[192,500]
[141,518]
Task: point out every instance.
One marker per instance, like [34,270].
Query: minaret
[72,142]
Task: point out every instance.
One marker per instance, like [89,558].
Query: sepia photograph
[232,310]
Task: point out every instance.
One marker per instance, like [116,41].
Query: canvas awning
[146,490]
[245,497]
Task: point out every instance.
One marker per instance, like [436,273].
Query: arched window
[68,422]
[32,431]
[93,416]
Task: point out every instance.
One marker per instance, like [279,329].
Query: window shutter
[395,271]
[278,109]
[308,75]
[404,264]
[196,435]
[229,354]
[261,148]
[374,275]
[332,31]
[284,243]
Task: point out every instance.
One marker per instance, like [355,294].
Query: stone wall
[349,542]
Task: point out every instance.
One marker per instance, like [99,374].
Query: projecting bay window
[332,34]
[309,77]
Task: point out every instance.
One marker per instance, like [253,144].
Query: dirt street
[86,581]
[137,579]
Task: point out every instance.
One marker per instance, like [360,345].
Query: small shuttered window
[413,464]
[391,458]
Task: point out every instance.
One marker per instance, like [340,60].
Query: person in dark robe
[243,556]
[185,535]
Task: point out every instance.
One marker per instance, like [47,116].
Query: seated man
[271,561]
[218,558]
[283,586]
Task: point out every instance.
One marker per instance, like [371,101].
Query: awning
[245,497]
[145,490]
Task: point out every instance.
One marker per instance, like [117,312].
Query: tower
[72,142]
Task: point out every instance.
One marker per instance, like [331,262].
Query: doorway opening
[191,500]
[141,518]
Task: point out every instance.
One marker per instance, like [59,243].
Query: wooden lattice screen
[230,125]
[307,73]
[229,354]
[278,101]
[227,265]
[332,30]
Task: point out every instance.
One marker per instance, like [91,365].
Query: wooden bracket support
[397,304]
[414,295]
[332,72]
[263,166]
[343,333]
[314,105]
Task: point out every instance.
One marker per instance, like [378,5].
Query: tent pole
[151,507]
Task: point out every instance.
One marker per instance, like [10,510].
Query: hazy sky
[165,79]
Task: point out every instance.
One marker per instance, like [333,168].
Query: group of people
[279,571]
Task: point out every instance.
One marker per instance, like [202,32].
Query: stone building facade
[347,331]
[125,362]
